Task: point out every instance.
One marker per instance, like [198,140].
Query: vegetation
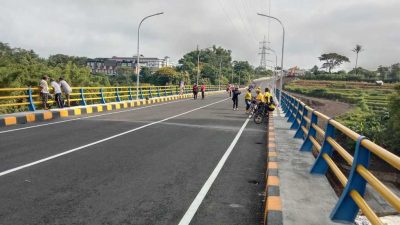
[332,60]
[357,50]
[377,108]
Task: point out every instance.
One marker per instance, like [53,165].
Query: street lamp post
[198,64]
[276,65]
[283,48]
[219,75]
[137,56]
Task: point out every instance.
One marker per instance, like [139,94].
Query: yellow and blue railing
[29,98]
[306,121]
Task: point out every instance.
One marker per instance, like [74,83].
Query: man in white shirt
[57,93]
[44,91]
[66,89]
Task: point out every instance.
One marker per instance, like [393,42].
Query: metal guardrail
[29,98]
[305,120]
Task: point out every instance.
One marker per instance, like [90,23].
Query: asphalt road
[141,166]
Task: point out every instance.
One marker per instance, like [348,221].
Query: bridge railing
[22,99]
[307,122]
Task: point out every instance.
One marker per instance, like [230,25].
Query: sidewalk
[305,198]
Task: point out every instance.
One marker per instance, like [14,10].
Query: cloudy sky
[105,28]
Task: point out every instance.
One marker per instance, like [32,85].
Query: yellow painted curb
[30,117]
[10,120]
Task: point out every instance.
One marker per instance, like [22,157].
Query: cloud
[106,28]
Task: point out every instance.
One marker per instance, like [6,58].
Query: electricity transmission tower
[263,53]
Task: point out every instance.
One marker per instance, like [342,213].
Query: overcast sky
[100,28]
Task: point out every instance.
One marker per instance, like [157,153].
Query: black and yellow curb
[30,117]
[272,202]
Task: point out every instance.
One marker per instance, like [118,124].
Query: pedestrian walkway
[306,199]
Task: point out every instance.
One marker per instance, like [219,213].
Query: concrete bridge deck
[305,199]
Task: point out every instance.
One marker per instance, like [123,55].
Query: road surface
[186,161]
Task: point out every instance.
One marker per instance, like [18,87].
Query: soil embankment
[325,106]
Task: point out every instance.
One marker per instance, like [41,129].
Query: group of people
[196,90]
[265,99]
[58,88]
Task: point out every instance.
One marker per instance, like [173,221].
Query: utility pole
[219,75]
[198,65]
[239,78]
[263,53]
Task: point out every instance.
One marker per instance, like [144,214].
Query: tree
[393,131]
[165,75]
[357,50]
[314,70]
[332,60]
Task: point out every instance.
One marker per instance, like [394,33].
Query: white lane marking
[207,185]
[102,140]
[88,117]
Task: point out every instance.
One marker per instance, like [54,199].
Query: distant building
[110,66]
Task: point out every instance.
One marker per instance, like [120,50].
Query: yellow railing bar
[345,154]
[365,208]
[379,187]
[382,153]
[315,143]
[335,169]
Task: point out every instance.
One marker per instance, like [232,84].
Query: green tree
[332,60]
[165,75]
[393,131]
[357,50]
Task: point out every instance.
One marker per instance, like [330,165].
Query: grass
[375,97]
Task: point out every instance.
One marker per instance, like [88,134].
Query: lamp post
[137,56]
[198,63]
[283,48]
[276,65]
[219,75]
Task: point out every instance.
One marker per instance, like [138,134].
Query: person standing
[195,91]
[247,99]
[235,98]
[57,93]
[44,91]
[202,89]
[181,87]
[66,89]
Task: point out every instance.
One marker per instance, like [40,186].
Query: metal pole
[239,79]
[276,65]
[198,65]
[283,48]
[219,75]
[137,53]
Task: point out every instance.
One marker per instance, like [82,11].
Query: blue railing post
[300,133]
[320,166]
[102,100]
[82,95]
[307,144]
[289,106]
[117,98]
[296,123]
[165,91]
[158,92]
[31,105]
[130,93]
[150,94]
[295,108]
[346,209]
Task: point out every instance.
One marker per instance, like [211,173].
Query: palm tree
[357,50]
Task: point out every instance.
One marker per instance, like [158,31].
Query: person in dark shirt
[235,98]
[195,91]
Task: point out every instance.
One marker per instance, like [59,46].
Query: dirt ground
[327,107]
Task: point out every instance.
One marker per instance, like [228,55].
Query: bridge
[160,157]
